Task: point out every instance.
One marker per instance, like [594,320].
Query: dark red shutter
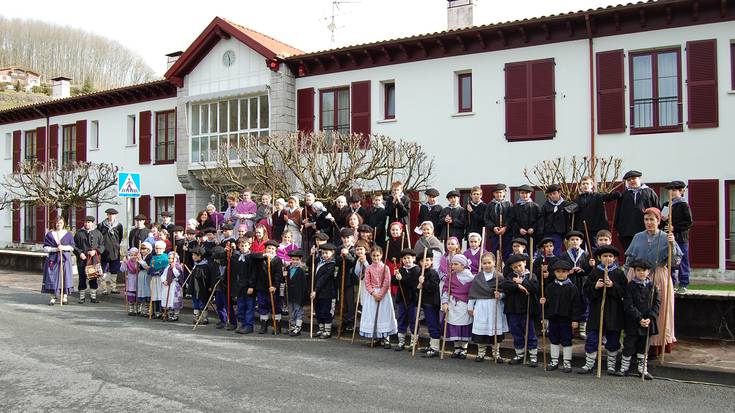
[81,129]
[144,145]
[732,66]
[516,101]
[144,207]
[52,214]
[704,242]
[487,192]
[610,92]
[543,119]
[79,215]
[53,143]
[16,151]
[16,221]
[360,103]
[41,144]
[305,110]
[702,84]
[413,215]
[180,209]
[40,223]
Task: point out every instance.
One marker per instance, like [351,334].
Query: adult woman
[216,219]
[652,245]
[293,217]
[202,220]
[247,209]
[58,243]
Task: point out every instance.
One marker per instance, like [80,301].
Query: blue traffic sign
[128,185]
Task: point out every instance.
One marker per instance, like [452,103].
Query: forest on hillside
[55,50]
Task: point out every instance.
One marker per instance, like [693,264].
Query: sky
[152,28]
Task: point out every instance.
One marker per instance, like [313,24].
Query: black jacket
[563,301]
[431,295]
[259,267]
[458,225]
[112,238]
[637,304]
[279,219]
[592,210]
[137,236]
[476,218]
[583,262]
[241,274]
[203,278]
[682,216]
[516,301]
[614,313]
[298,285]
[399,209]
[349,263]
[85,241]
[430,213]
[538,262]
[558,222]
[526,216]
[324,282]
[493,212]
[377,219]
[629,213]
[407,285]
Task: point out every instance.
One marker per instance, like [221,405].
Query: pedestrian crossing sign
[128,185]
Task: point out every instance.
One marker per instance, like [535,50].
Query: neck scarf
[610,267]
[557,203]
[565,282]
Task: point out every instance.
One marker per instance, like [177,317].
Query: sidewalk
[690,357]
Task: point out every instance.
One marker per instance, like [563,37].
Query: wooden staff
[497,310]
[500,242]
[668,281]
[311,293]
[377,311]
[482,250]
[270,285]
[168,294]
[61,275]
[201,314]
[602,319]
[543,314]
[150,300]
[587,236]
[648,330]
[400,286]
[528,304]
[342,301]
[446,315]
[359,291]
[415,336]
[229,255]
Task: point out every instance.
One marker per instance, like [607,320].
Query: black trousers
[634,344]
[349,307]
[82,285]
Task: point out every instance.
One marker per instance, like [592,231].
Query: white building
[651,83]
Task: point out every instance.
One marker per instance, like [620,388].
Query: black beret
[500,187]
[545,240]
[198,250]
[553,187]
[525,188]
[249,234]
[561,265]
[354,198]
[166,214]
[408,251]
[452,193]
[271,243]
[364,228]
[346,232]
[191,231]
[321,236]
[89,218]
[218,252]
[574,234]
[210,231]
[516,258]
[111,211]
[420,253]
[327,246]
[676,185]
[227,227]
[607,249]
[631,174]
[639,263]
[140,217]
[521,241]
[178,228]
[296,253]
[431,192]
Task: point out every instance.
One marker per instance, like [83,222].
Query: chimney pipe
[60,87]
[171,58]
[459,14]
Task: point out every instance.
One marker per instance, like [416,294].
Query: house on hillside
[14,75]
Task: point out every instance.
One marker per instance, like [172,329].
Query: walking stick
[229,256]
[668,281]
[61,276]
[602,319]
[285,295]
[497,310]
[415,336]
[201,314]
[375,324]
[587,236]
[446,315]
[528,304]
[311,293]
[359,291]
[342,301]
[400,286]
[500,241]
[273,303]
[543,315]
[150,300]
[168,294]
[482,250]
[648,330]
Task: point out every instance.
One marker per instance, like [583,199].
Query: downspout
[47,155]
[588,23]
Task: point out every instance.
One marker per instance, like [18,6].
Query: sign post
[128,187]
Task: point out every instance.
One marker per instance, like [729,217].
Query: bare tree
[328,164]
[78,184]
[568,172]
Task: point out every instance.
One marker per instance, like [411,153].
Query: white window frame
[94,135]
[131,136]
[8,146]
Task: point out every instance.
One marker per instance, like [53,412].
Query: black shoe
[480,359]
[585,370]
[386,344]
[80,301]
[399,347]
[456,354]
[532,362]
[220,325]
[516,360]
[247,330]
[347,330]
[463,354]
[263,326]
[552,366]
[430,353]
[131,313]
[115,292]
[230,327]
[499,360]
[173,318]
[205,321]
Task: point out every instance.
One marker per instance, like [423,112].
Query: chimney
[60,87]
[171,58]
[459,14]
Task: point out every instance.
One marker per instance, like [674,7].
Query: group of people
[524,268]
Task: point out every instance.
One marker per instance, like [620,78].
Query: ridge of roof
[280,48]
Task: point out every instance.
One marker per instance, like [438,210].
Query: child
[544,260]
[453,219]
[261,237]
[681,215]
[227,238]
[580,260]
[397,204]
[210,241]
[636,198]
[203,276]
[430,242]
[345,262]
[521,288]
[139,233]
[324,291]
[524,217]
[455,295]
[445,264]
[429,211]
[159,261]
[298,291]
[286,246]
[242,273]
[377,218]
[486,308]
[378,319]
[225,307]
[266,282]
[592,207]
[279,218]
[365,232]
[563,308]
[131,267]
[518,246]
[143,281]
[614,317]
[496,221]
[406,278]
[475,214]
[641,313]
[431,302]
[362,262]
[171,293]
[473,252]
[556,216]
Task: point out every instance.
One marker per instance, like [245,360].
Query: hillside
[10,98]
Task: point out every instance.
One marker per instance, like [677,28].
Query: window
[69,144]
[530,112]
[29,223]
[164,204]
[94,135]
[130,140]
[165,137]
[29,146]
[656,91]
[730,225]
[8,146]
[389,95]
[335,110]
[232,125]
[464,92]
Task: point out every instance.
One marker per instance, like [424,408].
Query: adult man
[629,214]
[112,233]
[88,246]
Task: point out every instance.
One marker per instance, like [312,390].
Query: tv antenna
[336,12]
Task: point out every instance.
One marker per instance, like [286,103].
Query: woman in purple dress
[58,243]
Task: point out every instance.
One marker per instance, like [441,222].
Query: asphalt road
[96,358]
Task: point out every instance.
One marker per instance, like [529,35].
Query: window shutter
[180,209]
[702,83]
[80,214]
[16,151]
[704,242]
[610,92]
[41,144]
[516,101]
[53,143]
[543,119]
[40,223]
[81,129]
[144,207]
[16,221]
[305,110]
[360,105]
[144,145]
[732,66]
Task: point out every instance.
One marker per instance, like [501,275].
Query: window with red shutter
[610,92]
[464,92]
[334,110]
[68,144]
[704,243]
[78,218]
[732,66]
[16,153]
[144,146]
[361,109]
[529,100]
[702,84]
[40,223]
[180,209]
[655,93]
[305,110]
[53,143]
[166,137]
[29,145]
[41,144]
[16,220]
[144,207]
[730,225]
[81,129]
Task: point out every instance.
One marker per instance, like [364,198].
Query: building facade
[651,83]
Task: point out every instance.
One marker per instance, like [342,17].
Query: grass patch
[712,287]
